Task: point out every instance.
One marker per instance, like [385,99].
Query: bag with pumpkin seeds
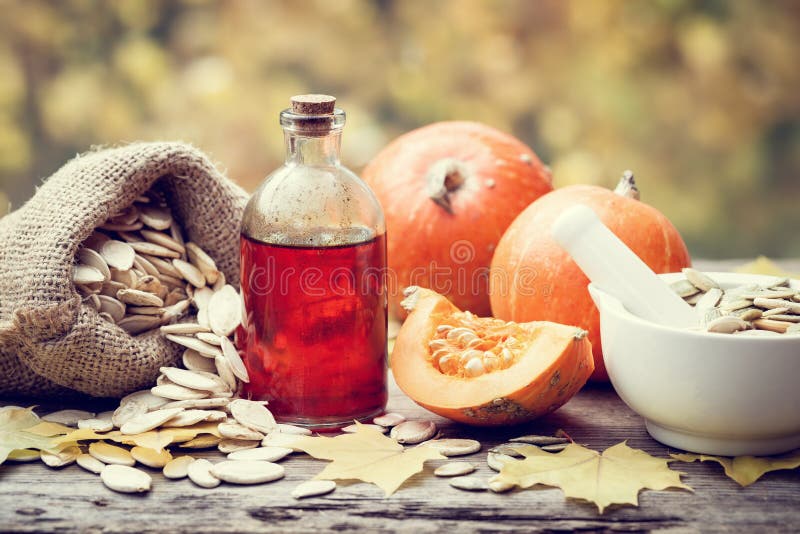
[59,336]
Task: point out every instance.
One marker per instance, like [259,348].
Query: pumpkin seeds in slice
[199,472]
[313,488]
[247,471]
[454,447]
[67,417]
[111,454]
[411,432]
[454,469]
[151,457]
[232,355]
[265,454]
[177,468]
[61,458]
[90,463]
[125,479]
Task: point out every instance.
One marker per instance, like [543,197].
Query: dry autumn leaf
[14,425]
[614,477]
[367,455]
[153,439]
[746,469]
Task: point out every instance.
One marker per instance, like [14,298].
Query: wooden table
[34,497]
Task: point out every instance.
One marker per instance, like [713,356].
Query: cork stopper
[313,104]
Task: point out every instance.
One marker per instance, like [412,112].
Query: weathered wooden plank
[34,497]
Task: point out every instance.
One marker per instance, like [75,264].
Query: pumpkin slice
[486,371]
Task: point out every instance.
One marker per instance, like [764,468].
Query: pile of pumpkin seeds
[770,309]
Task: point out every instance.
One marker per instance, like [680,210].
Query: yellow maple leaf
[152,439]
[369,456]
[14,432]
[764,265]
[746,469]
[614,477]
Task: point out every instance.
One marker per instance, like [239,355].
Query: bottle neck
[318,151]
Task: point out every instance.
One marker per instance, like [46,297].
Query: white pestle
[615,269]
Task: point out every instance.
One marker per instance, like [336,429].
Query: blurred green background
[700,98]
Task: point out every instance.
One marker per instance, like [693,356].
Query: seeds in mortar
[313,488]
[125,479]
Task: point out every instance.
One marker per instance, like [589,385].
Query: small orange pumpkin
[485,371]
[449,190]
[534,279]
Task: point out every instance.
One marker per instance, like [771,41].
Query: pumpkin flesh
[529,369]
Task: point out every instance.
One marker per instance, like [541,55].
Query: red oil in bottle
[314,337]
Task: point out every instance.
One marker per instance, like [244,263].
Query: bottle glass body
[313,251]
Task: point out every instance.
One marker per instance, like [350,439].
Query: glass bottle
[313,251]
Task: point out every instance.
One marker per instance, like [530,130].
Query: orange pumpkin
[449,190]
[484,371]
[533,278]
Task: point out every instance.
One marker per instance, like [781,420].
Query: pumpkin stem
[627,186]
[444,177]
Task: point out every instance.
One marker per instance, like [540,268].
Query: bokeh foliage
[700,98]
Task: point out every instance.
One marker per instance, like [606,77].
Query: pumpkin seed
[239,431]
[474,367]
[232,356]
[155,217]
[210,338]
[294,430]
[225,371]
[774,311]
[61,458]
[151,457]
[227,445]
[454,469]
[176,392]
[278,439]
[411,432]
[354,428]
[125,479]
[266,454]
[139,298]
[118,254]
[92,258]
[684,288]
[199,472]
[203,262]
[163,239]
[771,325]
[137,324]
[177,468]
[192,379]
[194,361]
[469,483]
[224,311]
[247,471]
[183,328]
[151,249]
[90,463]
[83,274]
[149,421]
[212,402]
[389,419]
[193,343]
[499,486]
[145,397]
[67,417]
[313,488]
[700,280]
[201,442]
[111,454]
[497,460]
[189,272]
[98,425]
[112,306]
[455,447]
[727,324]
[127,411]
[187,418]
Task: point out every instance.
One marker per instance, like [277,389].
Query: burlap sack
[51,344]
